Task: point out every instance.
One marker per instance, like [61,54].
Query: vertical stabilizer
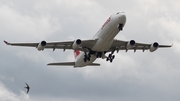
[76,53]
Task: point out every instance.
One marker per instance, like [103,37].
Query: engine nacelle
[76,44]
[130,44]
[154,47]
[41,45]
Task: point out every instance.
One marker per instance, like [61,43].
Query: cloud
[25,25]
[7,95]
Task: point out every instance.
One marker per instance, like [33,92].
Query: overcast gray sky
[132,76]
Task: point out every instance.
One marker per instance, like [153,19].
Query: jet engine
[41,45]
[130,44]
[154,47]
[76,44]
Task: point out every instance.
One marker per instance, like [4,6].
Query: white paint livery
[102,43]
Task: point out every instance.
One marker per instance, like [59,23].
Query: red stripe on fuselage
[108,20]
[76,53]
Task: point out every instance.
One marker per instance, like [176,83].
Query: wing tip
[7,43]
[48,64]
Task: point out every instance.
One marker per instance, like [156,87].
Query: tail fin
[76,53]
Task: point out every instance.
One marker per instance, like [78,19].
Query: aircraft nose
[122,16]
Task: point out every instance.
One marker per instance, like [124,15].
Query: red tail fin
[76,53]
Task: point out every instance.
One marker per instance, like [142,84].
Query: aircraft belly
[102,45]
[105,40]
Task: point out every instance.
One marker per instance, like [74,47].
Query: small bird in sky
[27,87]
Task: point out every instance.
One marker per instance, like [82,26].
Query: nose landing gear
[120,27]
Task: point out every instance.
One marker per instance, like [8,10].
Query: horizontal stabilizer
[63,63]
[94,64]
[70,64]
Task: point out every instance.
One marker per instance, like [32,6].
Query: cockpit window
[119,12]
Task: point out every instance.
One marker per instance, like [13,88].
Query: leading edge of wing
[21,44]
[166,45]
[56,45]
[122,45]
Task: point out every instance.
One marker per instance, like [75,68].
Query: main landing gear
[110,58]
[87,57]
[99,55]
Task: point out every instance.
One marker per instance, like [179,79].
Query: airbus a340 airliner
[87,51]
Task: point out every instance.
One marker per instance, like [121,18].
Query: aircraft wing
[127,45]
[55,45]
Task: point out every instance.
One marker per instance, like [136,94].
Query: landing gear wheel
[110,55]
[113,56]
[111,60]
[107,59]
[88,58]
[85,59]
[89,55]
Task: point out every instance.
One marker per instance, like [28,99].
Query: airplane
[87,51]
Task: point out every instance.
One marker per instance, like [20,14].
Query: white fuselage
[105,37]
